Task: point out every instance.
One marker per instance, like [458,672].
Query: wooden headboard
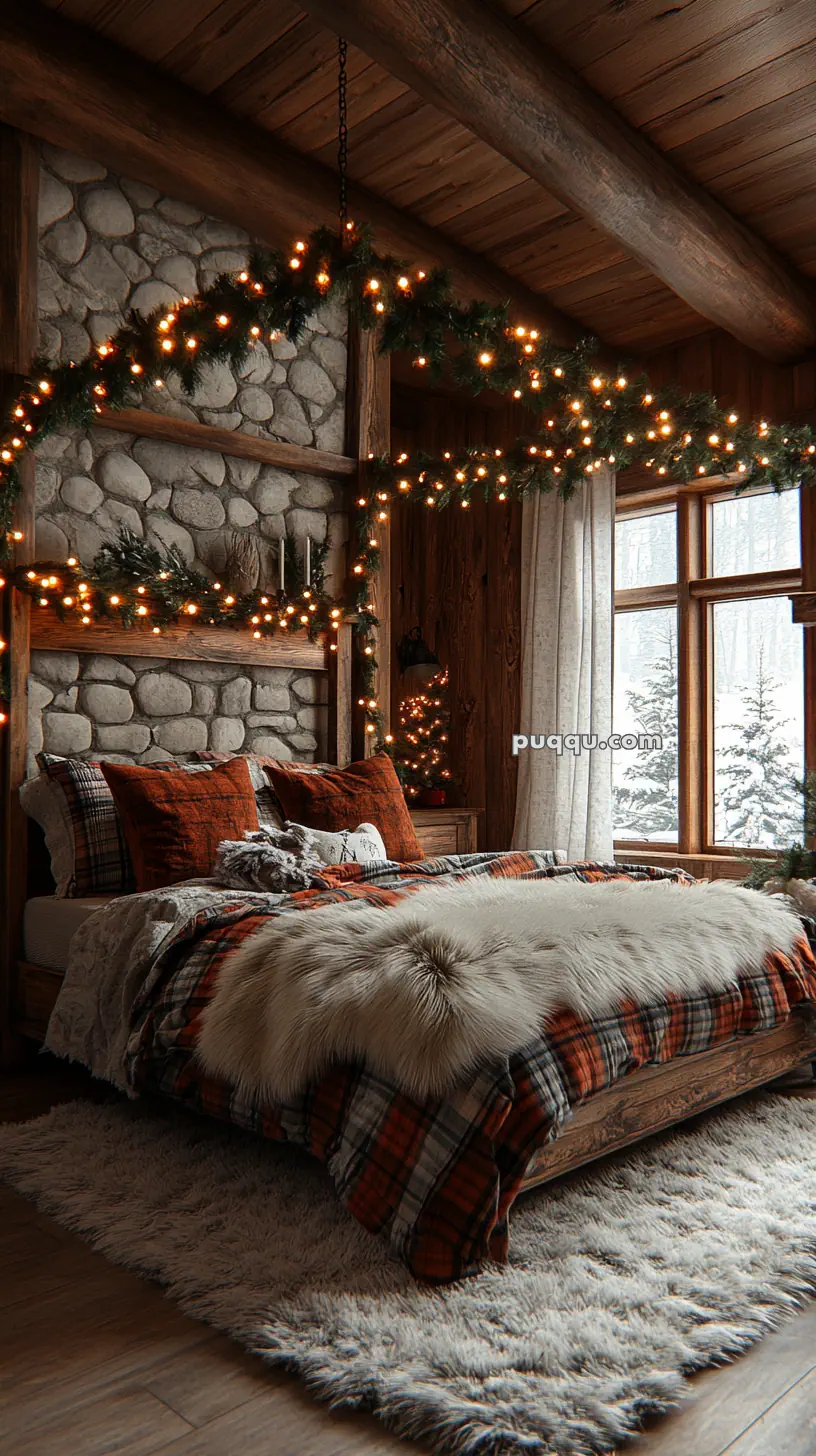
[200,644]
[217,645]
[28,869]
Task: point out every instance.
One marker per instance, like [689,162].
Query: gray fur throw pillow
[278,860]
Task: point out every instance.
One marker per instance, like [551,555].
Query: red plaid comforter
[437,1178]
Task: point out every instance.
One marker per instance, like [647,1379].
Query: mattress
[49,924]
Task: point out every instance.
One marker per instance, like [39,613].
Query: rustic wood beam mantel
[174,431]
[61,82]
[520,98]
[198,644]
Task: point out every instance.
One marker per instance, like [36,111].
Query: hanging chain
[342,131]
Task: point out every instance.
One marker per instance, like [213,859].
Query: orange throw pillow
[174,822]
[340,798]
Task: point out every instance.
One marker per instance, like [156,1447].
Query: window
[645,782]
[759,731]
[645,549]
[751,533]
[703,582]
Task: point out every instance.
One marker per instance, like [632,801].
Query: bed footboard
[655,1098]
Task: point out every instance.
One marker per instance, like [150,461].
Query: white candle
[308,560]
[282,546]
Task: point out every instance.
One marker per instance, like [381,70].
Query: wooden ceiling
[724,87]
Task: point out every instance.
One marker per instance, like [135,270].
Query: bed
[436,1176]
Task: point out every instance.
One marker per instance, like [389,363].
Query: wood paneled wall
[740,378]
[456,574]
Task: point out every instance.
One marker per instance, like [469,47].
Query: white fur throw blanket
[454,976]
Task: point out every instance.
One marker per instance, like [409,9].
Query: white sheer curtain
[565,800]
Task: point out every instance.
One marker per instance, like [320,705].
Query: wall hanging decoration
[417,663]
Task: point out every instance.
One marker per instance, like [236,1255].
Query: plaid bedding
[438,1178]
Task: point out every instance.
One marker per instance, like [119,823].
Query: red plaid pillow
[367,792]
[270,809]
[174,822]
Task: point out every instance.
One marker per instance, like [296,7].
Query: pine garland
[590,420]
[139,585]
[603,426]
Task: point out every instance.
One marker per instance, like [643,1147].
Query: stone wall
[109,244]
[148,709]
[91,483]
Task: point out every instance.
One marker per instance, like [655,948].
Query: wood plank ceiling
[724,87]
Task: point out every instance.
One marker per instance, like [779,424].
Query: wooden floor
[95,1360]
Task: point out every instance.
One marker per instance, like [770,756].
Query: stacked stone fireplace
[109,244]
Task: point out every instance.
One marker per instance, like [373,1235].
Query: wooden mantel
[194,644]
[174,431]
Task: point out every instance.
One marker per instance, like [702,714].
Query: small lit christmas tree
[420,748]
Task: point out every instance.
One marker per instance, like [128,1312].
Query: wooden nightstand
[447,831]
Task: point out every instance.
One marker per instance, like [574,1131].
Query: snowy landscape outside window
[645,679]
[732,727]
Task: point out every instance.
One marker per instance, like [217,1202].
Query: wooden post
[368,433]
[19,188]
[807,516]
[341,709]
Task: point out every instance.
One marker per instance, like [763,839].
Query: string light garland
[589,419]
[143,586]
[680,441]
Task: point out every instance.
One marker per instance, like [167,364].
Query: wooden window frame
[694,594]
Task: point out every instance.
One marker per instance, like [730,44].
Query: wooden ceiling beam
[60,82]
[498,80]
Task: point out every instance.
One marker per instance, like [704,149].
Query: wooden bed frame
[658,1097]
[644,1103]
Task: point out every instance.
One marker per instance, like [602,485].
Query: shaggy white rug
[678,1255]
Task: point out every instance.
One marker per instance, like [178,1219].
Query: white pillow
[362,845]
[45,803]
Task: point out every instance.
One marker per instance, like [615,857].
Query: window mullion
[692,673]
[645,598]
